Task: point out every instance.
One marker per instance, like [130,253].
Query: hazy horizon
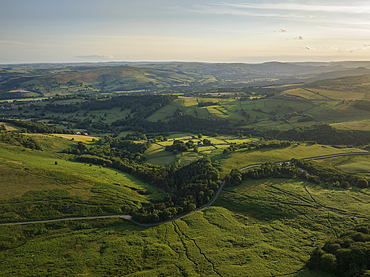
[44,31]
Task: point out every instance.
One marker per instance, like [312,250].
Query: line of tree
[16,138]
[208,103]
[274,170]
[362,105]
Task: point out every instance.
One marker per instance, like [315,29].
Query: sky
[53,31]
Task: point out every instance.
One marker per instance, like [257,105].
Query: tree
[56,163]
[206,142]
[200,135]
[235,178]
[362,183]
[328,263]
[196,149]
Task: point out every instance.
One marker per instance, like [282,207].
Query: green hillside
[43,184]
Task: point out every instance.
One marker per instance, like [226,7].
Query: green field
[157,155]
[353,164]
[244,157]
[353,125]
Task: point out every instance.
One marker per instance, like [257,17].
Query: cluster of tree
[274,170]
[37,127]
[189,187]
[178,146]
[16,138]
[259,144]
[306,118]
[208,103]
[135,136]
[91,159]
[346,256]
[362,105]
[332,175]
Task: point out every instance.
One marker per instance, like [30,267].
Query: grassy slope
[25,172]
[260,228]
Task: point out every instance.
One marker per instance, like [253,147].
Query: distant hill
[44,80]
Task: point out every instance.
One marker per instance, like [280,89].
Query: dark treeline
[16,138]
[141,106]
[306,118]
[346,256]
[272,170]
[37,127]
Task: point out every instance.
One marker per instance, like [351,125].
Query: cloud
[365,46]
[351,50]
[96,57]
[299,38]
[310,48]
[226,9]
[353,9]
[281,31]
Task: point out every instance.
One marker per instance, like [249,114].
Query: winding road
[128,217]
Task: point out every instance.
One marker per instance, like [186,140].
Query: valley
[172,169]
